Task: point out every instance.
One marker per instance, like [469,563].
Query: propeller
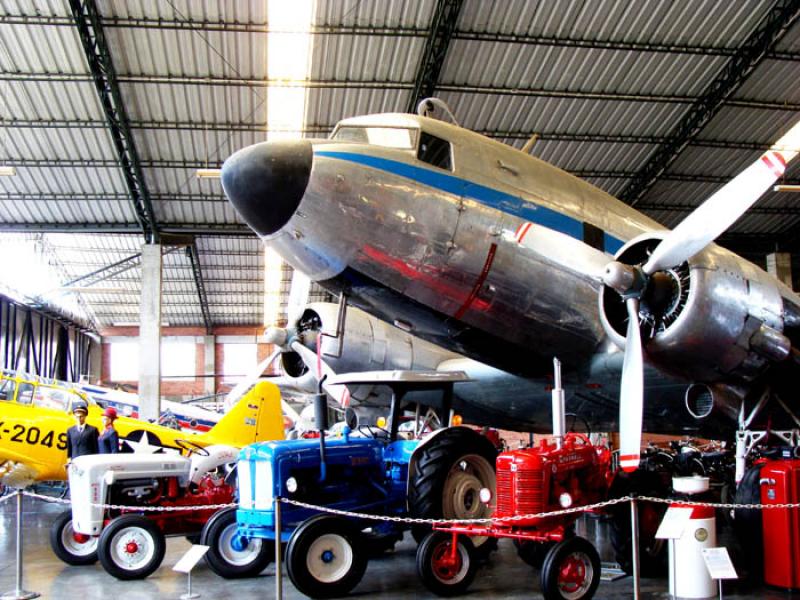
[314,362]
[694,233]
[245,384]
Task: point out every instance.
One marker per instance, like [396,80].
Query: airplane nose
[266,182]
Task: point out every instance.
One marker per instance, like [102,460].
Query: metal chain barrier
[132,508]
[718,504]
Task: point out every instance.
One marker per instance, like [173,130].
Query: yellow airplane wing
[35,415]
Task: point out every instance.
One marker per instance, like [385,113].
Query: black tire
[748,528]
[68,546]
[326,557]
[435,570]
[571,570]
[448,475]
[533,553]
[226,561]
[131,547]
[652,552]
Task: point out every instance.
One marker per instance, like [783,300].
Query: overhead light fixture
[786,188]
[208,173]
[6,171]
[133,324]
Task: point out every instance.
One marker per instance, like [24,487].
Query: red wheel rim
[442,563]
[575,575]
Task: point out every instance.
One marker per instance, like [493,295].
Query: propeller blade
[631,392]
[319,367]
[249,379]
[724,207]
[298,296]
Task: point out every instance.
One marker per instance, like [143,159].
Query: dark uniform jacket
[108,442]
[80,443]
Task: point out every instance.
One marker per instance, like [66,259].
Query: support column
[209,362]
[150,334]
[95,361]
[779,264]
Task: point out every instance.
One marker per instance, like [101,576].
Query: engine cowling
[712,318]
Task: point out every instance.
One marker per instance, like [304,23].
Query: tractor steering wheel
[577,437]
[191,447]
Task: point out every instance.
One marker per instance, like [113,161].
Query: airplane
[491,253]
[189,418]
[35,414]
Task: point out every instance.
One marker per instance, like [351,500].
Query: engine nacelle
[716,316]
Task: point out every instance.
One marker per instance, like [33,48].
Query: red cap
[111,413]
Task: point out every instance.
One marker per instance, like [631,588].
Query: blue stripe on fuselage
[501,201]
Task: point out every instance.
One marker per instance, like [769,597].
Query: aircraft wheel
[71,547]
[441,572]
[131,547]
[326,557]
[652,551]
[230,556]
[571,570]
[448,476]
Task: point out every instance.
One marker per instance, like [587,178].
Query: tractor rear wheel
[447,479]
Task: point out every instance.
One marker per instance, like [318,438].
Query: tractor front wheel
[443,571]
[68,545]
[326,557]
[571,570]
[230,556]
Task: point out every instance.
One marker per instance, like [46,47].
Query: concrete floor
[392,576]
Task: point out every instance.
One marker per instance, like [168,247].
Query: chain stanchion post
[278,565]
[19,593]
[635,547]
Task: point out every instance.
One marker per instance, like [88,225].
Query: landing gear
[230,556]
[446,572]
[326,557]
[571,570]
[71,547]
[131,547]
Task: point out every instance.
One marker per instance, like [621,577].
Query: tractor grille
[520,492]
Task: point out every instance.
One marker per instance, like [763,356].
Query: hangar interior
[116,117]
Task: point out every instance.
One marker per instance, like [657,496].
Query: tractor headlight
[485,495]
[565,500]
[291,485]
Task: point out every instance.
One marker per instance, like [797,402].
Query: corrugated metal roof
[603,83]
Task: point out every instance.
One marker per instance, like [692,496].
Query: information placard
[718,562]
[190,559]
[674,522]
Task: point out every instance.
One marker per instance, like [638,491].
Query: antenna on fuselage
[427,108]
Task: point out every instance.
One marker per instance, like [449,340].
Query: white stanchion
[278,566]
[19,593]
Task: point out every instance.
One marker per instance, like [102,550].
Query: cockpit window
[390,137]
[435,151]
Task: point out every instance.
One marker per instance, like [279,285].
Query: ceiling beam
[197,273]
[386,31]
[752,51]
[101,66]
[443,25]
[209,229]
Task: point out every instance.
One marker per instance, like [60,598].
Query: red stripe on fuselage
[487,265]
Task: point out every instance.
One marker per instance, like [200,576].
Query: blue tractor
[368,470]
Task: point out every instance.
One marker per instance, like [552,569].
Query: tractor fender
[436,436]
[218,455]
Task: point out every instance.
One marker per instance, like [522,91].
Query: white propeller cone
[693,234]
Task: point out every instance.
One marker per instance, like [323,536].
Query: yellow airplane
[35,414]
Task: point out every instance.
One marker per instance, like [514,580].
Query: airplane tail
[256,417]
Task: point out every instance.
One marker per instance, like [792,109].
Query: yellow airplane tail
[256,417]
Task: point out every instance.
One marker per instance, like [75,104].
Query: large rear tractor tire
[447,479]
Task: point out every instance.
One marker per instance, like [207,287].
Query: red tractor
[566,472]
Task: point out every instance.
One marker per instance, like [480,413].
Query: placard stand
[186,564]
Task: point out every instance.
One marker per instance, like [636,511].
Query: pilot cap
[80,408]
[110,412]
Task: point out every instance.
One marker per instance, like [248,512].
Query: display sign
[674,522]
[718,562]
[190,559]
